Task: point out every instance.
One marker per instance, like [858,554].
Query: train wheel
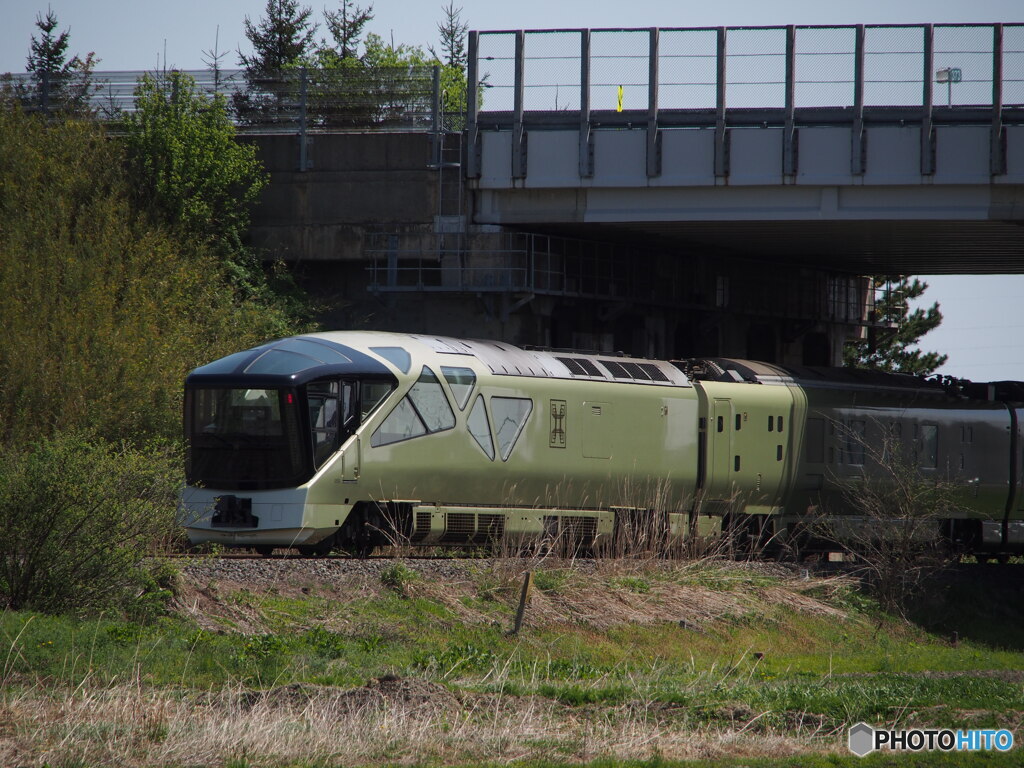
[266,551]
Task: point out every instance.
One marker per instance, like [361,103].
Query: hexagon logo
[862,739]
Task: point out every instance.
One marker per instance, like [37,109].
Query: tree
[104,311]
[453,38]
[346,26]
[282,43]
[184,157]
[453,73]
[283,39]
[894,351]
[59,83]
[190,173]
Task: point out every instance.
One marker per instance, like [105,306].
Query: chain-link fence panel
[497,71]
[106,94]
[687,69]
[963,65]
[552,71]
[825,61]
[619,58]
[1013,65]
[755,67]
[893,66]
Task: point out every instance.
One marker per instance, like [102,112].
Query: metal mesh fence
[825,67]
[378,97]
[687,69]
[966,52]
[497,63]
[893,66]
[1013,65]
[403,98]
[755,67]
[552,71]
[825,61]
[619,58]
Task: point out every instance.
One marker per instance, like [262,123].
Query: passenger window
[479,428]
[856,440]
[814,441]
[428,397]
[402,424]
[510,415]
[461,381]
[929,456]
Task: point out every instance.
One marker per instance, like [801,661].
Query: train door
[718,487]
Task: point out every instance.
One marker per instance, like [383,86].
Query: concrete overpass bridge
[863,149]
[668,191]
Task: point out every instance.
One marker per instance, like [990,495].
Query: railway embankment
[334,661]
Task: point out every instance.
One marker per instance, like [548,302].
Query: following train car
[353,440]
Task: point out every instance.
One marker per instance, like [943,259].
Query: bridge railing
[749,67]
[743,76]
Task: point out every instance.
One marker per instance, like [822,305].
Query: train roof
[298,359]
[292,361]
[754,372]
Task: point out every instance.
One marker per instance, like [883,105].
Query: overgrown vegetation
[893,532]
[706,660]
[77,517]
[105,309]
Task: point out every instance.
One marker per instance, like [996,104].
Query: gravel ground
[278,569]
[275,570]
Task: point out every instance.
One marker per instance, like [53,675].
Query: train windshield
[244,439]
[258,439]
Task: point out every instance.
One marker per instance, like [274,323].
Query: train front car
[261,426]
[351,440]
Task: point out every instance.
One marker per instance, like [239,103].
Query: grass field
[618,661]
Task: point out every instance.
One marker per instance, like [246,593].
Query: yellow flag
[619,107]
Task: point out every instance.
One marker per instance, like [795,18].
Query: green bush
[77,518]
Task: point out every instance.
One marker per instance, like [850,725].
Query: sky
[982,331]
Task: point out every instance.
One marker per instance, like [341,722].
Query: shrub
[77,518]
[397,577]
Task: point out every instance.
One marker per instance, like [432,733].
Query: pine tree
[283,39]
[895,351]
[453,38]
[60,83]
[346,26]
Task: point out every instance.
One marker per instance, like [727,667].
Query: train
[352,440]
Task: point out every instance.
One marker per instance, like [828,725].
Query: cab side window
[424,410]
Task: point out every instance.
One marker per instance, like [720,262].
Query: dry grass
[397,721]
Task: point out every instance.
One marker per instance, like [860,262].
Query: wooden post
[524,598]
